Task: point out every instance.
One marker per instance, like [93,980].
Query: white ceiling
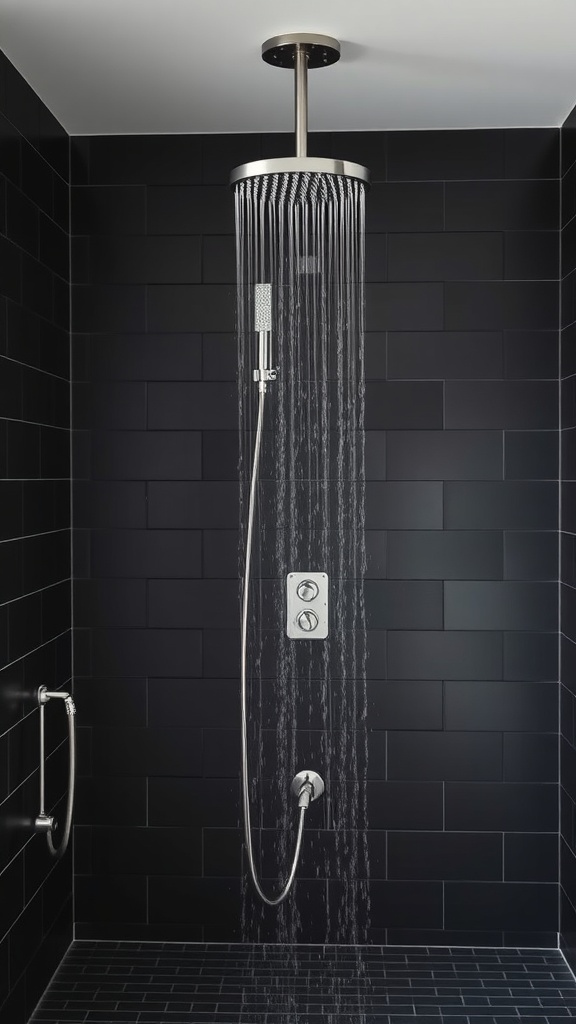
[147,66]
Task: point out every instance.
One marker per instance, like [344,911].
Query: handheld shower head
[262,307]
[263,328]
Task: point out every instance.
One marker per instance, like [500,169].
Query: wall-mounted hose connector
[307,786]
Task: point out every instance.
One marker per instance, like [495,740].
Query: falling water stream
[304,233]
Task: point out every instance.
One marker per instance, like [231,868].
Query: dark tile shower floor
[177,983]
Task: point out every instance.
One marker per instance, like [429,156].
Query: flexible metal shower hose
[60,850]
[271,901]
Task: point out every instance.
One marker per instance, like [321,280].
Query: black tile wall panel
[140,455]
[514,405]
[444,156]
[109,504]
[447,256]
[410,505]
[502,205]
[172,701]
[501,807]
[189,210]
[531,255]
[406,206]
[506,906]
[530,757]
[441,355]
[148,260]
[403,405]
[219,356]
[568,299]
[531,455]
[568,403]
[505,605]
[145,553]
[501,706]
[567,144]
[139,357]
[568,203]
[567,521]
[532,656]
[531,354]
[461,493]
[532,153]
[144,159]
[403,604]
[445,855]
[108,210]
[443,554]
[443,454]
[508,505]
[111,801]
[118,851]
[443,756]
[149,752]
[35,615]
[137,651]
[110,602]
[108,308]
[179,504]
[391,307]
[178,406]
[405,704]
[405,805]
[530,857]
[220,455]
[445,654]
[508,305]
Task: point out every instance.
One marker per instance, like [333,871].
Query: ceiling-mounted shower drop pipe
[300,52]
[301,99]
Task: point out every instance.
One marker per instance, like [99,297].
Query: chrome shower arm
[301,99]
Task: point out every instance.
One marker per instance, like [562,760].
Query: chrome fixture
[307,590]
[307,786]
[335,188]
[307,605]
[263,328]
[300,52]
[45,822]
[262,325]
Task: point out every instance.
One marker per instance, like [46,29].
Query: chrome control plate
[307,605]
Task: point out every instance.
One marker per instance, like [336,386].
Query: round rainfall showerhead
[301,52]
[302,165]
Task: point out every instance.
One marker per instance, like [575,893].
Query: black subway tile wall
[35,622]
[461,517]
[567,561]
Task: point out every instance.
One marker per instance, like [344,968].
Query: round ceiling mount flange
[321,50]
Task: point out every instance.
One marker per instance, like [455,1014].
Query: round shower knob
[307,590]
[307,621]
